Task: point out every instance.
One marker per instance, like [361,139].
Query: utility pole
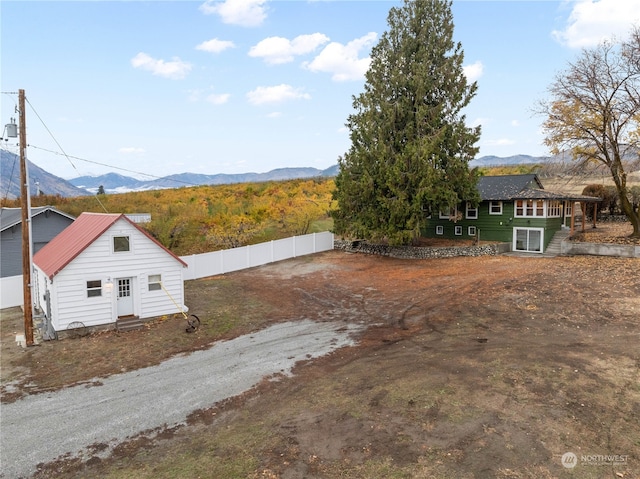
[26,218]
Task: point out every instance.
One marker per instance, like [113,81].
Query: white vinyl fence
[211,264]
[226,261]
[11,292]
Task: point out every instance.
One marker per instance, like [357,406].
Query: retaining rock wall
[411,252]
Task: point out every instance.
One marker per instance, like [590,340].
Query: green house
[513,209]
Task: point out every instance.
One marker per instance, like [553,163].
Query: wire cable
[62,150]
[13,167]
[118,167]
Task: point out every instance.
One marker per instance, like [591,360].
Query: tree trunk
[620,180]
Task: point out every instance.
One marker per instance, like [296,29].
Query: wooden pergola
[584,202]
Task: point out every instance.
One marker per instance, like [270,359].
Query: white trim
[470,228]
[439,230]
[457,230]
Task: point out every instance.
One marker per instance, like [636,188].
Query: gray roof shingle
[521,187]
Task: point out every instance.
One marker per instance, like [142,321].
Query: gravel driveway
[43,427]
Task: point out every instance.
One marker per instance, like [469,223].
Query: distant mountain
[508,160]
[114,183]
[109,181]
[40,180]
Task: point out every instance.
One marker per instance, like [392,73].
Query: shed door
[125,297]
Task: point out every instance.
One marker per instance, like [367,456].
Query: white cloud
[275,94]
[592,21]
[277,50]
[342,60]
[246,13]
[215,46]
[131,150]
[474,71]
[218,98]
[175,69]
[515,123]
[274,114]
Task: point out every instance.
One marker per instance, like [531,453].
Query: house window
[532,208]
[447,214]
[471,231]
[554,209]
[568,206]
[528,239]
[120,244]
[155,282]
[495,207]
[439,230]
[472,211]
[458,230]
[94,288]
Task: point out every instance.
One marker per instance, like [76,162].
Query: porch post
[583,207]
[595,213]
[573,217]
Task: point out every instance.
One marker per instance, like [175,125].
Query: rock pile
[415,252]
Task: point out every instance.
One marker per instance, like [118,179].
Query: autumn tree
[410,146]
[594,112]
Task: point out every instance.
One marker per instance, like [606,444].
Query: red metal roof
[76,237]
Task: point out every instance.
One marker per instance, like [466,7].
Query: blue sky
[163,87]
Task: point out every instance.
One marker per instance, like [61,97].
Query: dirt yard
[490,367]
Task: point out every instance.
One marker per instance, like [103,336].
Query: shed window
[155,282]
[94,288]
[120,244]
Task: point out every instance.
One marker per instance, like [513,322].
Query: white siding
[99,262]
[160,302]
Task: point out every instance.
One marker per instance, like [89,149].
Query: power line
[70,157]
[13,166]
[117,167]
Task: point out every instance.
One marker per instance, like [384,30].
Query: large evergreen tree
[410,146]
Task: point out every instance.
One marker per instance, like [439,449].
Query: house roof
[521,187]
[505,187]
[76,237]
[10,217]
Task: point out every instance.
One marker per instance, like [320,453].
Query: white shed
[104,269]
